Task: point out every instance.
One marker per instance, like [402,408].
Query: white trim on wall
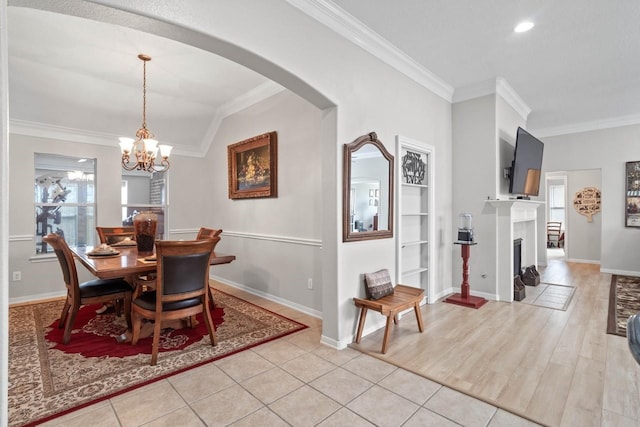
[281,239]
[38,297]
[184,231]
[620,272]
[21,238]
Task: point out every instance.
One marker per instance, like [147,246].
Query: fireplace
[515,219]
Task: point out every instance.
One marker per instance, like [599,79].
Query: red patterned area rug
[48,379]
[624,301]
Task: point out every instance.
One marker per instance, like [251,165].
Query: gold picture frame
[253,167]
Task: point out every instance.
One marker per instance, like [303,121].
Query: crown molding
[45,130]
[615,122]
[62,133]
[255,95]
[475,90]
[340,21]
[512,98]
[498,86]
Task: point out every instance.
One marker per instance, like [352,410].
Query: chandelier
[144,148]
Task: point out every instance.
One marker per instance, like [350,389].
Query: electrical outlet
[309,283]
[17,276]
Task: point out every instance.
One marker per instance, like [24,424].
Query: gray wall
[583,240]
[606,151]
[41,277]
[277,240]
[484,132]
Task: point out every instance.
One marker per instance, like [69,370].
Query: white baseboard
[583,261]
[338,345]
[286,303]
[620,272]
[37,297]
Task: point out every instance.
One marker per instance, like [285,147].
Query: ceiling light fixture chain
[144,148]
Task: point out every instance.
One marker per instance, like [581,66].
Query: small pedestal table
[464,298]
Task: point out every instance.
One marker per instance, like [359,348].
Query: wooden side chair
[388,301]
[111,235]
[207,233]
[210,233]
[91,292]
[554,231]
[181,289]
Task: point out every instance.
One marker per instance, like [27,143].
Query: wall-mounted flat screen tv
[524,179]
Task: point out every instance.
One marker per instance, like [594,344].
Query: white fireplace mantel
[515,218]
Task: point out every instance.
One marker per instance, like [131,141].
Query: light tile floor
[293,381]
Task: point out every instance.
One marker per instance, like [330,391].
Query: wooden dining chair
[554,231]
[205,233]
[111,235]
[181,289]
[210,233]
[92,292]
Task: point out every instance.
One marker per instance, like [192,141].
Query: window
[142,191]
[64,196]
[556,203]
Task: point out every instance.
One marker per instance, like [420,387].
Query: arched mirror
[367,193]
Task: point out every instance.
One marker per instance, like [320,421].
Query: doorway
[556,215]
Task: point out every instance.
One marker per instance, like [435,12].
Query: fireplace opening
[519,292]
[517,257]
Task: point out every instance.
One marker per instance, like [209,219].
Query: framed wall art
[587,202]
[253,167]
[632,195]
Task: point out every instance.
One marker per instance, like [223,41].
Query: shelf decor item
[145,224]
[413,168]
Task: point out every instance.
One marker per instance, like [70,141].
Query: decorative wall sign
[413,168]
[632,195]
[587,202]
[253,167]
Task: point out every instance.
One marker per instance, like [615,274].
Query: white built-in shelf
[414,223]
[404,184]
[414,243]
[414,271]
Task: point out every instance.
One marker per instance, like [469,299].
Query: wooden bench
[403,297]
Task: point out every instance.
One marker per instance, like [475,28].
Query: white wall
[606,150]
[281,42]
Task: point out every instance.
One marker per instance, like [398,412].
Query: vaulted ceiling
[577,69]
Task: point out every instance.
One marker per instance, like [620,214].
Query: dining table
[125,261]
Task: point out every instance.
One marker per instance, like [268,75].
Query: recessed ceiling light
[523,27]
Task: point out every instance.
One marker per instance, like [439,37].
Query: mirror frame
[347,234]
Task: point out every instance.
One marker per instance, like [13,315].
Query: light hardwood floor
[557,368]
